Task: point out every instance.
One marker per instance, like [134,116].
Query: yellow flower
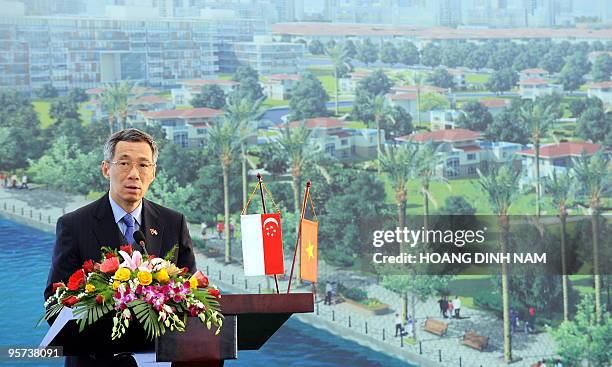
[116,284]
[162,276]
[123,274]
[193,282]
[90,288]
[145,277]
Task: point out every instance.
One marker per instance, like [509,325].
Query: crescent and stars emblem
[270,226]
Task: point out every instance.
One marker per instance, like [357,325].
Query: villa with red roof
[537,87]
[407,101]
[601,90]
[337,140]
[460,148]
[348,84]
[495,105]
[187,127]
[278,86]
[554,157]
[533,73]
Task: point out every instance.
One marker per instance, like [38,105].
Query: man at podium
[129,164]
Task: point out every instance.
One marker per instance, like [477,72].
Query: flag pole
[263,204]
[299,233]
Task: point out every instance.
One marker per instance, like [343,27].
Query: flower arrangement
[152,290]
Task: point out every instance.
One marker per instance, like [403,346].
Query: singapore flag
[262,244]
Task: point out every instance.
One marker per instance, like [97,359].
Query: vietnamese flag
[262,244]
[308,250]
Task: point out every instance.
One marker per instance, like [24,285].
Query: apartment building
[70,52]
[266,56]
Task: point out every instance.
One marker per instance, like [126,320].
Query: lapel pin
[153,231]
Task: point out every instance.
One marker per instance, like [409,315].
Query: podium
[249,321]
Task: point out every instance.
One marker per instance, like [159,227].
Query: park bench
[473,340]
[435,326]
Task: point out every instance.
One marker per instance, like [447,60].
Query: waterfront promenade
[41,208]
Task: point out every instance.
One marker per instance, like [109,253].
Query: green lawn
[356,125]
[42,109]
[477,78]
[275,102]
[468,188]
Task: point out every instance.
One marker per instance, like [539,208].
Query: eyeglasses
[144,168]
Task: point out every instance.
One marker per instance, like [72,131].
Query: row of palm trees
[228,140]
[501,186]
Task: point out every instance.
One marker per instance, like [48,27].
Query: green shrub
[355,294]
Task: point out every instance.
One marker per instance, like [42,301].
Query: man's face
[129,185]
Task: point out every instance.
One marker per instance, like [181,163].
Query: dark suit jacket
[81,234]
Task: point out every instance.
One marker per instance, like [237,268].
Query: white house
[186,127]
[443,119]
[407,101]
[190,88]
[461,150]
[553,157]
[495,105]
[349,84]
[537,87]
[278,86]
[601,90]
[339,141]
[533,73]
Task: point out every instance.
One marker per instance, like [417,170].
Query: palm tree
[561,190]
[242,113]
[501,187]
[339,58]
[378,105]
[224,140]
[398,163]
[594,175]
[417,80]
[115,100]
[295,142]
[428,161]
[539,122]
[124,91]
[109,106]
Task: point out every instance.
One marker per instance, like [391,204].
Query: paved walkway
[42,208]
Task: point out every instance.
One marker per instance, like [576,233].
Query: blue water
[25,256]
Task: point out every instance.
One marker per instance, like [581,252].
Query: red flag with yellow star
[308,252]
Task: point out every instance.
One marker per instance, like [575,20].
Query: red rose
[184,270]
[151,257]
[214,293]
[76,280]
[99,299]
[58,285]
[70,301]
[108,255]
[110,265]
[126,248]
[88,266]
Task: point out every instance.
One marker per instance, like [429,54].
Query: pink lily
[131,262]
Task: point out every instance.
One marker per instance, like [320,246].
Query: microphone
[139,237]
